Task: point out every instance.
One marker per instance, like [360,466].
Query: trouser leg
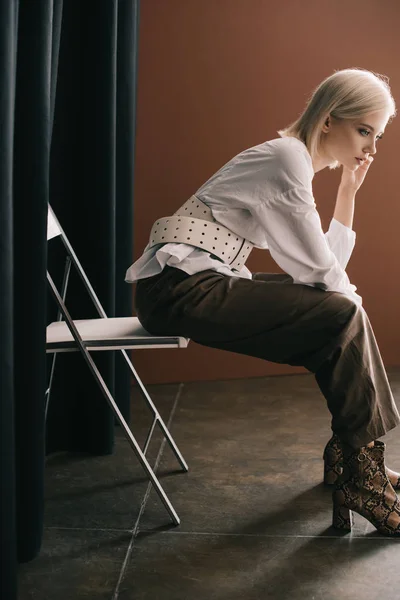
[269,317]
[354,382]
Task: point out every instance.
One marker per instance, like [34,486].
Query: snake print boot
[364,488]
[333,459]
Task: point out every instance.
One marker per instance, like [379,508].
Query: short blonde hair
[347,94]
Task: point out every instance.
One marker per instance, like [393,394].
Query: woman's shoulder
[290,150]
[290,161]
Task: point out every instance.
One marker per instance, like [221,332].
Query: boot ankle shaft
[347,449]
[364,454]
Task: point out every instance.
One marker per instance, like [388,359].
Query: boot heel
[342,517]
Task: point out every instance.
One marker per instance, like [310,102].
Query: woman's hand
[353,179]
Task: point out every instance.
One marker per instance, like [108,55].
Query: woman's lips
[360,160]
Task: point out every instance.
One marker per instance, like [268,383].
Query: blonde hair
[347,94]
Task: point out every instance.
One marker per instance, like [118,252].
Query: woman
[192,280]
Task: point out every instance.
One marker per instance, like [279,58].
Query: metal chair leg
[157,415]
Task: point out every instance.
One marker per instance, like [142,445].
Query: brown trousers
[270,317]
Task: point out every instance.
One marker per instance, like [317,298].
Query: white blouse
[264,194]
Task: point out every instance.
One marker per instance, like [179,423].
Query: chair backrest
[54,229]
[53,226]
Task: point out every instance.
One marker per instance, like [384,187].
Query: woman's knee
[347,302]
[345,312]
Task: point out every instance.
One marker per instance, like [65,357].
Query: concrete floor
[255,516]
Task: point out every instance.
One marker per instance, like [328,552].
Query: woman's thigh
[215,306]
[267,317]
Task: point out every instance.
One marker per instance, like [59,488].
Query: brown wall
[219,76]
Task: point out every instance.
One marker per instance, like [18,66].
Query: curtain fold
[83,197]
[127,63]
[68,105]
[8,44]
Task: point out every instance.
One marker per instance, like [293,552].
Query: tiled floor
[255,517]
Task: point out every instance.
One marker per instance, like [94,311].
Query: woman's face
[346,140]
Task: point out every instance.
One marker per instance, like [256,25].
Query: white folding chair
[113,334]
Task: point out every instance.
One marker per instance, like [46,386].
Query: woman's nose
[371,150]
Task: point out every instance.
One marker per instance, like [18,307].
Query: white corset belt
[194,224]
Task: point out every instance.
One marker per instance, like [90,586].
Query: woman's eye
[378,137]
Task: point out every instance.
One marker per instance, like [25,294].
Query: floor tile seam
[107,529]
[131,545]
[135,531]
[272,535]
[121,575]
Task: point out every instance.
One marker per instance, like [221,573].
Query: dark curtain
[67,102]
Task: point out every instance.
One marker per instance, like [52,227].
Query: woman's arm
[297,243]
[340,235]
[344,209]
[341,241]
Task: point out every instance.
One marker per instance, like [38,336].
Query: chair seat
[106,334]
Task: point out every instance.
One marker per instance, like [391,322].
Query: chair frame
[55,230]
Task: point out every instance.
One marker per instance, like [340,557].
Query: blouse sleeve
[298,244]
[341,240]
